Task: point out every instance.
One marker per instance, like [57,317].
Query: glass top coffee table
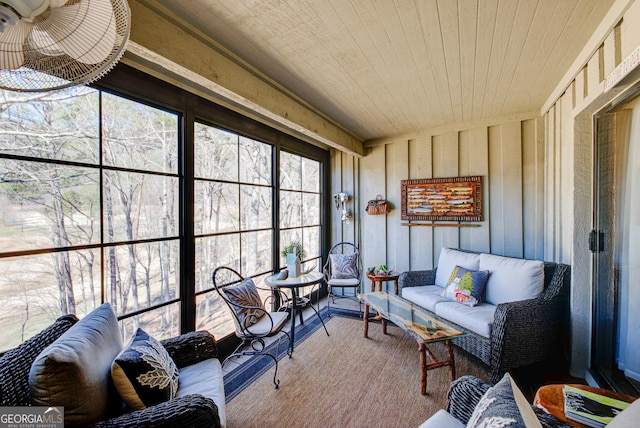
[420,324]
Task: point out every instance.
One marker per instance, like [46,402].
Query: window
[124,194]
[89,193]
[233,215]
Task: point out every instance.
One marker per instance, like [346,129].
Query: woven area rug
[345,380]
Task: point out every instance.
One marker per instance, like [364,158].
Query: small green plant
[383,269]
[296,248]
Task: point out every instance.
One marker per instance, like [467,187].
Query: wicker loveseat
[506,335]
[195,350]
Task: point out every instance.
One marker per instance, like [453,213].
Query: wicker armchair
[523,332]
[465,393]
[190,410]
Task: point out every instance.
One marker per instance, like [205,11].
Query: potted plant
[294,253]
[383,269]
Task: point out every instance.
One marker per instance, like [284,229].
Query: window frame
[132,84]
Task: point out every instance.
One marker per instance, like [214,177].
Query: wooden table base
[425,354]
[424,367]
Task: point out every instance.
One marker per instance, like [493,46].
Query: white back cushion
[449,259]
[512,279]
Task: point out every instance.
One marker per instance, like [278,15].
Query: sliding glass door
[616,245]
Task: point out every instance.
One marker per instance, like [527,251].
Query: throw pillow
[144,373]
[497,408]
[343,266]
[75,371]
[466,286]
[450,258]
[245,294]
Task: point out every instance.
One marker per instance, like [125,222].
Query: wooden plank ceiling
[383,68]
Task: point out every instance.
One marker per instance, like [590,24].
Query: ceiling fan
[54,44]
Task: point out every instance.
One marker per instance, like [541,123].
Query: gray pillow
[497,407]
[75,370]
[343,266]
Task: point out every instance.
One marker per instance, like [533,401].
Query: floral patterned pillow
[343,266]
[144,373]
[466,286]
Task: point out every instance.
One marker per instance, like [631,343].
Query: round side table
[379,278]
[550,399]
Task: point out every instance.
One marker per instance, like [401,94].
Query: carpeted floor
[345,380]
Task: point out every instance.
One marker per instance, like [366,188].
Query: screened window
[118,194]
[88,186]
[234,215]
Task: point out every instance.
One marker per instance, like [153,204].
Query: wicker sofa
[195,351]
[511,332]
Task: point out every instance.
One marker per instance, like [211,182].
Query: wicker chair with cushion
[16,363]
[343,270]
[57,364]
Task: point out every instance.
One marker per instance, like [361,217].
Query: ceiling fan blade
[12,45]
[86,31]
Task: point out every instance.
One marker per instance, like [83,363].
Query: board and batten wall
[508,155]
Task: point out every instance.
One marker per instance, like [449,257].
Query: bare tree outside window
[50,194]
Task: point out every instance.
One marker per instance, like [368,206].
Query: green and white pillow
[466,286]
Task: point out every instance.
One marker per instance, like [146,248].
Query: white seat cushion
[425,296]
[344,282]
[512,279]
[449,259]
[478,319]
[442,419]
[204,378]
[263,326]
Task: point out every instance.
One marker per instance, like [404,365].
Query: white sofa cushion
[512,279]
[425,296]
[442,419]
[478,319]
[449,259]
[205,378]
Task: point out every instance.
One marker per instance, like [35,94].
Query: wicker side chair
[336,277]
[254,322]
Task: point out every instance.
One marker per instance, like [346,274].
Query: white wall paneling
[509,157]
[374,227]
[474,160]
[420,164]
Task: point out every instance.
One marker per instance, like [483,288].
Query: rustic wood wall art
[435,199]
